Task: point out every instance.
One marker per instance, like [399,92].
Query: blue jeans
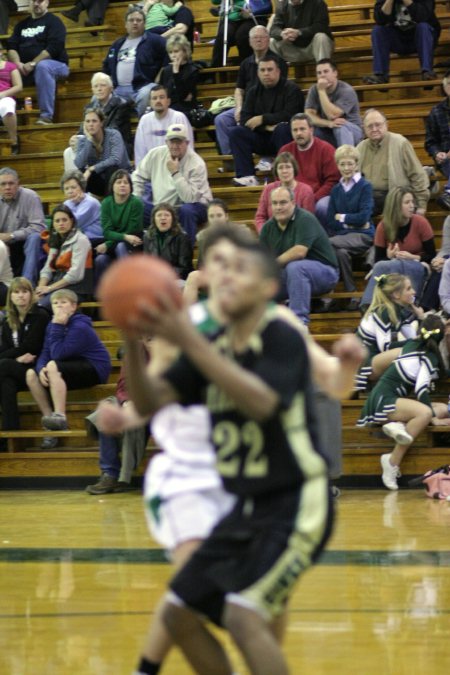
[410,268]
[388,39]
[301,279]
[444,168]
[140,97]
[103,260]
[322,210]
[45,75]
[109,454]
[348,134]
[244,142]
[224,122]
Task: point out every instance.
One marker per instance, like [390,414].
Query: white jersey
[188,460]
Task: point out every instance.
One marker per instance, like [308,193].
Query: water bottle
[448,406]
[28,103]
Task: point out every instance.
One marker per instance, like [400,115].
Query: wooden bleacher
[406,103]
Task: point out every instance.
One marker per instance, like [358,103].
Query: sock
[147,667]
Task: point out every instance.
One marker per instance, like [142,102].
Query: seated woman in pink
[10,85]
[285,168]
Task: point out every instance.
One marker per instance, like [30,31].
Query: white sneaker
[390,473]
[264,164]
[397,431]
[246,181]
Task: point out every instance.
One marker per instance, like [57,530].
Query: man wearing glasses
[388,160]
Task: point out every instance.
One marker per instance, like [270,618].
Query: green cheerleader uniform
[413,370]
[376,331]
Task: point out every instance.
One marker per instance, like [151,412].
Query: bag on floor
[437,482]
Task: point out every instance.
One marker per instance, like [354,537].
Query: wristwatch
[12,236]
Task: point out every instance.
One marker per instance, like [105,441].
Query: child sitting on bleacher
[158,15]
[73,357]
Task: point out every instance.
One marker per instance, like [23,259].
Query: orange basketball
[131,280]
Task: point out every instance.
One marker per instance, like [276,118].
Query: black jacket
[421,11]
[180,85]
[177,250]
[30,336]
[277,104]
[311,17]
[118,112]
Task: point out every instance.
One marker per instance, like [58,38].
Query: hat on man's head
[177,131]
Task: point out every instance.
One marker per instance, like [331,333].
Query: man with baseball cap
[178,176]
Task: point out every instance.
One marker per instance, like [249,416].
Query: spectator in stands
[388,160]
[301,31]
[430,296]
[100,152]
[158,15]
[268,107]
[404,243]
[95,10]
[307,260]
[240,23]
[181,75]
[84,206]
[391,311]
[349,223]
[247,77]
[218,215]
[73,357]
[6,8]
[10,86]
[122,222]
[6,273]
[21,223]
[22,338]
[315,158]
[69,260]
[178,176]
[333,107]
[117,113]
[37,47]
[118,455]
[437,139]
[183,22]
[133,61]
[444,288]
[152,128]
[165,239]
[403,27]
[285,170]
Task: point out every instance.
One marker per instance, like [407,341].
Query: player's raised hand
[349,350]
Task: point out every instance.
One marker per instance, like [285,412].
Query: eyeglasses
[283,202]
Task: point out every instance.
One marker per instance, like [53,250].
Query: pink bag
[437,483]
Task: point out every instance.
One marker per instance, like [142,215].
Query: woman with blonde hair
[22,339]
[391,311]
[181,75]
[349,216]
[404,242]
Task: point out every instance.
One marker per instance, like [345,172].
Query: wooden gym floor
[80,578]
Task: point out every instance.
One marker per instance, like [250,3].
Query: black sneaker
[105,485]
[376,78]
[444,201]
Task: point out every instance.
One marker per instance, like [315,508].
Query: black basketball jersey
[282,452]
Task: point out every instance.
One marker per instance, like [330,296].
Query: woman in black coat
[23,333]
[181,75]
[165,239]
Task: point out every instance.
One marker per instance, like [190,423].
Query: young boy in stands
[72,357]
